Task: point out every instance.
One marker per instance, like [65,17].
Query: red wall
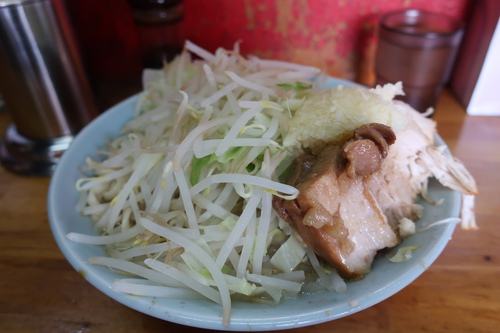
[337,36]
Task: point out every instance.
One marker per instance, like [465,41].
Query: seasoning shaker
[43,85]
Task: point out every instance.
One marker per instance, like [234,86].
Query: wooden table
[460,292]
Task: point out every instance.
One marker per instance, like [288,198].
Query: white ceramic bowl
[385,280]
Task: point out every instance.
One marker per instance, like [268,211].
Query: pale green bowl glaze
[385,280]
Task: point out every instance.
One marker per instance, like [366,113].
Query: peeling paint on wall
[337,36]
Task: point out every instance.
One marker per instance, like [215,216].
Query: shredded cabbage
[403,254]
[289,255]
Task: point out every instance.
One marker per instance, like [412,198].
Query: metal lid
[7,3]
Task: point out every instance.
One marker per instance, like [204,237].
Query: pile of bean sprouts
[183,197]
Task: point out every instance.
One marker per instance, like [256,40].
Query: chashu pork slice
[335,213]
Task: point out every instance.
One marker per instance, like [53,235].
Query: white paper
[485,99]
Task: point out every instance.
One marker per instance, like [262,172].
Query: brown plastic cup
[417,48]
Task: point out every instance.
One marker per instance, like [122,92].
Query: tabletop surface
[460,292]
